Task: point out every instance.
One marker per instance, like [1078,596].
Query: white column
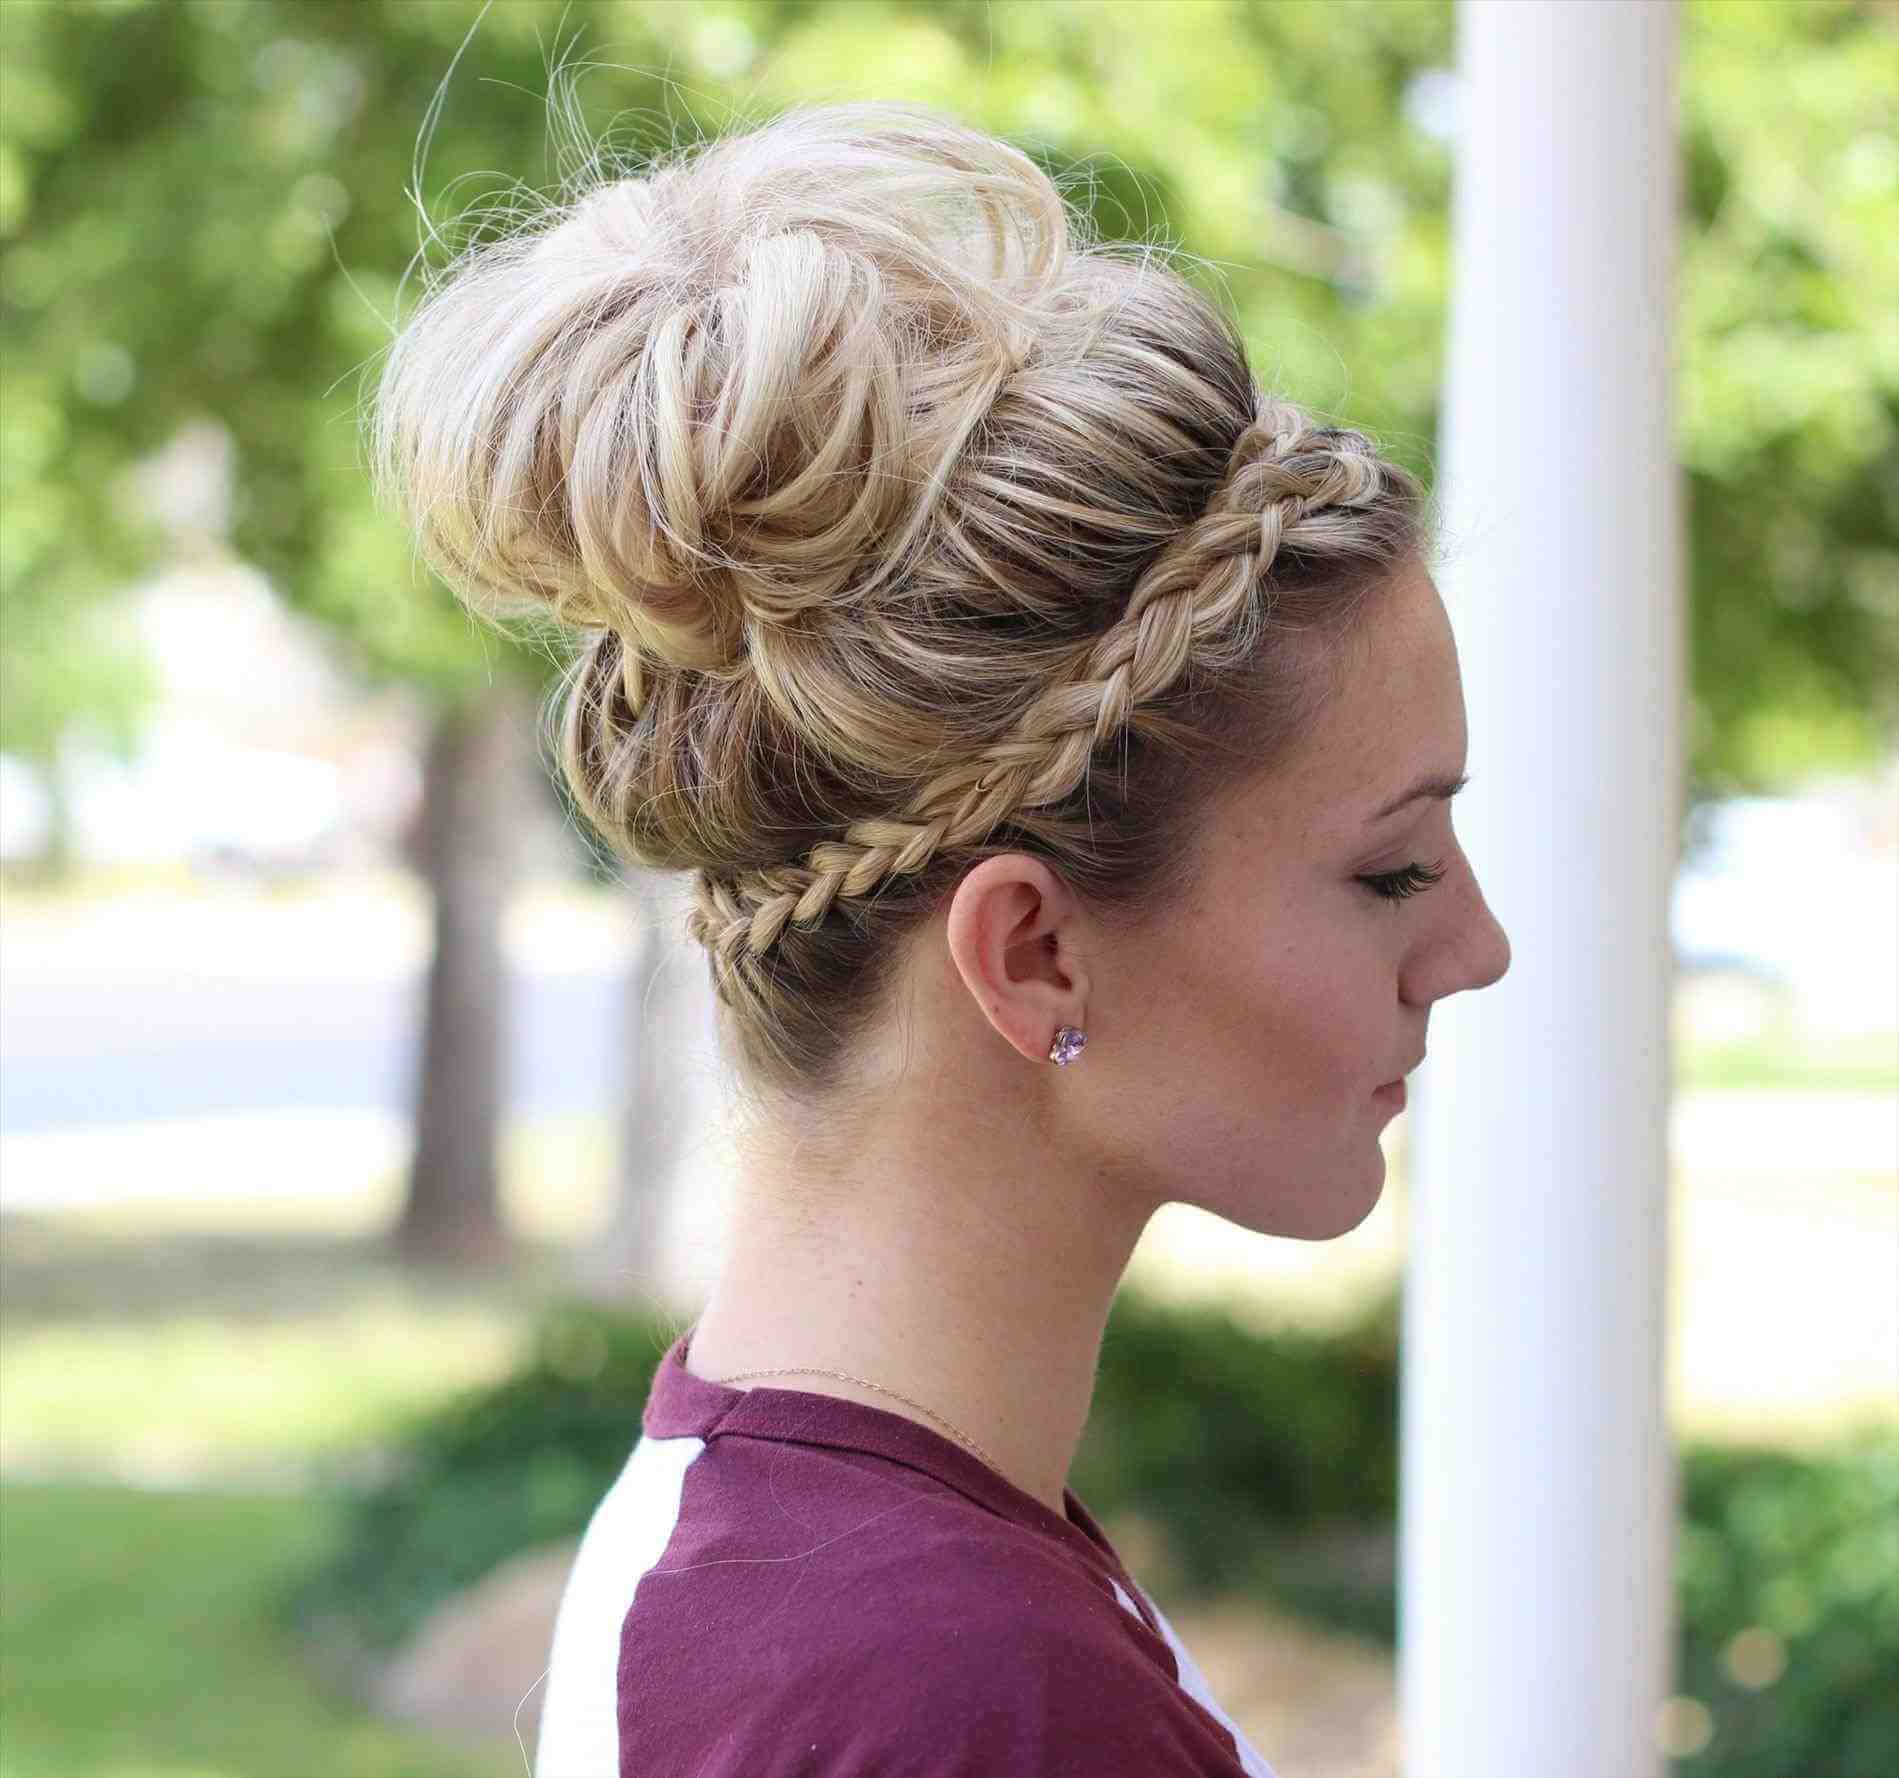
[1537,1524]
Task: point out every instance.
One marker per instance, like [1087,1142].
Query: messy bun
[899,522]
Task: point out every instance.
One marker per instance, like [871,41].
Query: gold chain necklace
[815,1371]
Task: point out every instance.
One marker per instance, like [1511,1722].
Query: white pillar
[1537,1523]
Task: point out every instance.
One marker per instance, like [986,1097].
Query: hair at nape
[897,520]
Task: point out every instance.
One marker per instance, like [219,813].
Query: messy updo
[898,521]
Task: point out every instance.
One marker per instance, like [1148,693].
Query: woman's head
[914,542]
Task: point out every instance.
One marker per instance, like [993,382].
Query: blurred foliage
[1787,1580]
[1290,1429]
[207,210]
[1787,1565]
[486,1474]
[1789,382]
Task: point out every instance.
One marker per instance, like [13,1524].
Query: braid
[1288,486]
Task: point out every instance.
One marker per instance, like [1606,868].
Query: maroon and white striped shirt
[783,1584]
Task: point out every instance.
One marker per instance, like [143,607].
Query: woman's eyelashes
[1397,885]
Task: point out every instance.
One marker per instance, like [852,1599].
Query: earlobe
[1005,943]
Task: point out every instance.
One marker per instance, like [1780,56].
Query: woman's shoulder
[950,1664]
[813,1619]
[765,1530]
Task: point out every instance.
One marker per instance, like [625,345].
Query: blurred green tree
[206,215]
[204,209]
[210,209]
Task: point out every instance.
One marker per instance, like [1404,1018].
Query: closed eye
[1397,885]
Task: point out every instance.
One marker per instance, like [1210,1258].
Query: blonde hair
[898,520]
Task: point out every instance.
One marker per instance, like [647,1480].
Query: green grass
[139,1638]
[172,1352]
[1776,1063]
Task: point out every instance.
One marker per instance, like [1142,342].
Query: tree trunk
[466,846]
[57,861]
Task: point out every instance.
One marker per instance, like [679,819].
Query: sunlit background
[321,1120]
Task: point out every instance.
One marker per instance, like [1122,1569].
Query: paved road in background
[89,1053]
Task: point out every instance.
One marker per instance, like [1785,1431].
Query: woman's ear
[1010,936]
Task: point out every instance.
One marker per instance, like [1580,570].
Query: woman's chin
[1317,1216]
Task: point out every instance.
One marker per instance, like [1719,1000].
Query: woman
[1011,673]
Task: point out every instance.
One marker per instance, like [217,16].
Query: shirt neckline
[683,1404]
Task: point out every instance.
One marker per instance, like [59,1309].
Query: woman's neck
[980,1288]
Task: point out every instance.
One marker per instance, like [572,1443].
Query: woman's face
[1237,1050]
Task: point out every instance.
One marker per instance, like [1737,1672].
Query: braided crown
[1289,485]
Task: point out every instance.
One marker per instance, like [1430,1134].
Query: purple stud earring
[1067,1045]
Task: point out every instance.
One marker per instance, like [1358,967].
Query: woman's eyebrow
[1435,785]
